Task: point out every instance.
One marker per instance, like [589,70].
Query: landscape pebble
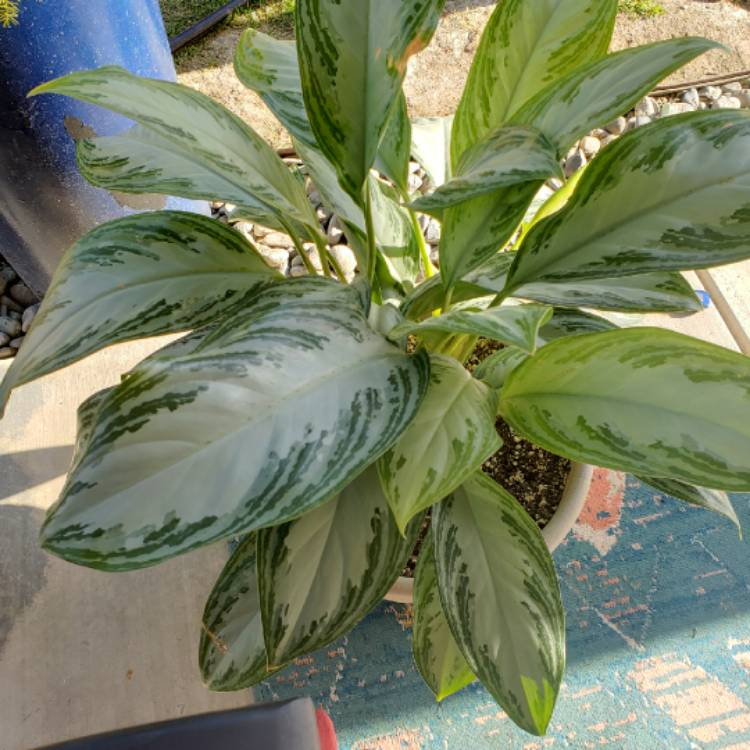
[28,317]
[9,326]
[22,294]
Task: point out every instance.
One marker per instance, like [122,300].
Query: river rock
[617,127]
[691,98]
[28,316]
[9,326]
[278,240]
[712,93]
[574,162]
[726,102]
[346,260]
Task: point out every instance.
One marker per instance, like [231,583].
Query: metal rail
[205,24]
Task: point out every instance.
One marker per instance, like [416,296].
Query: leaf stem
[298,245]
[429,269]
[327,258]
[371,245]
[447,299]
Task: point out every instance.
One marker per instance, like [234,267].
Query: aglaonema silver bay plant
[291,413]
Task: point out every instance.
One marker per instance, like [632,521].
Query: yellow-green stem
[371,246]
[327,258]
[298,245]
[429,269]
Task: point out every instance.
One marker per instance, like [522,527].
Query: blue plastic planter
[45,205]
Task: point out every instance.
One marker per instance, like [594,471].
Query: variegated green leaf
[323,572]
[232,653]
[139,161]
[269,67]
[526,46]
[516,324]
[648,292]
[714,500]
[451,436]
[495,369]
[644,400]
[436,653]
[565,322]
[474,231]
[673,195]
[395,233]
[501,597]
[246,425]
[188,144]
[430,146]
[488,279]
[395,148]
[138,276]
[509,156]
[353,59]
[593,95]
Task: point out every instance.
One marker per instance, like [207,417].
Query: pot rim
[559,526]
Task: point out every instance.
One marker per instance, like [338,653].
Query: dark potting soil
[535,477]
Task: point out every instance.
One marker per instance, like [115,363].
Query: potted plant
[322,420]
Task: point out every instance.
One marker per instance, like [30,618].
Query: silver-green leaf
[495,369]
[134,277]
[500,594]
[515,324]
[323,572]
[192,145]
[436,654]
[244,425]
[269,67]
[674,195]
[395,147]
[353,59]
[507,157]
[430,146]
[451,436]
[525,47]
[395,233]
[593,95]
[232,653]
[644,400]
[644,293]
[714,500]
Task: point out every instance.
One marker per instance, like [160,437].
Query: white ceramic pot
[571,505]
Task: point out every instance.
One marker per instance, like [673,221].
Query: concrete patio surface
[83,652]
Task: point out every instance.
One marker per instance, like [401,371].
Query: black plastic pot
[276,726]
[45,205]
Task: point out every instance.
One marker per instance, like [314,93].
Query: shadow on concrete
[26,469]
[22,563]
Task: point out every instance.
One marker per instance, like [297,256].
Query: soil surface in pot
[535,477]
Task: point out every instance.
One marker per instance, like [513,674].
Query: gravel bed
[18,305]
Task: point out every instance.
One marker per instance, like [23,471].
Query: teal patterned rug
[658,601]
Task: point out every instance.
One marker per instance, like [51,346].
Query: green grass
[180,14]
[641,8]
[274,16]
